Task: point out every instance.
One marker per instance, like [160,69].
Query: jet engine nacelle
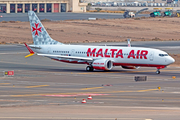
[130,67]
[102,64]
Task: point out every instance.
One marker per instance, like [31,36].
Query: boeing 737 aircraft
[96,57]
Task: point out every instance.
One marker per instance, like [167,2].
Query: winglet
[129,42]
[31,51]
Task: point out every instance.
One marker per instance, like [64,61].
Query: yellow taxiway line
[25,95]
[91,88]
[4,83]
[147,90]
[37,86]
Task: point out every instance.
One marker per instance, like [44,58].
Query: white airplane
[96,57]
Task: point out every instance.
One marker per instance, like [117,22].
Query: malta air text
[116,53]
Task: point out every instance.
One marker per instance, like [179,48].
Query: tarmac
[46,89]
[62,16]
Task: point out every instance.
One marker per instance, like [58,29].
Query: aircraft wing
[66,57]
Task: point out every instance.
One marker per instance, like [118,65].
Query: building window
[19,8]
[41,7]
[12,8]
[2,8]
[34,7]
[49,7]
[27,7]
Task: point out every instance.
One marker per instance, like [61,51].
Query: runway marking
[105,72]
[75,95]
[157,110]
[125,71]
[147,90]
[150,98]
[12,100]
[25,95]
[37,86]
[91,88]
[13,53]
[4,83]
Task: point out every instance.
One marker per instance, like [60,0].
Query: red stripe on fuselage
[142,65]
[116,64]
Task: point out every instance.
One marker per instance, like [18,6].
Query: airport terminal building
[54,6]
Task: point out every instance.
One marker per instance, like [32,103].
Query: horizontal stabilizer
[29,55]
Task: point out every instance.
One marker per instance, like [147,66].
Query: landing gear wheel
[89,68]
[92,69]
[158,72]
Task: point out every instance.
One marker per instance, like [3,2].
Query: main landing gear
[158,71]
[89,68]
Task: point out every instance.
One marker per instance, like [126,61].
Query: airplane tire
[92,69]
[158,72]
[89,68]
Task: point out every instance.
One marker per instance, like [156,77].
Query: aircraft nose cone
[171,60]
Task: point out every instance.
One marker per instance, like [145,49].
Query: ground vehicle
[178,13]
[157,12]
[96,57]
[128,14]
[169,12]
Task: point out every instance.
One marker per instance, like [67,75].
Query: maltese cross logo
[36,29]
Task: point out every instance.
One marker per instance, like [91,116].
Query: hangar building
[54,6]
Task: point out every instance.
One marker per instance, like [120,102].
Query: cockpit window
[162,55]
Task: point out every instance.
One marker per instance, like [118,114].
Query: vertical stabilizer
[39,34]
[129,42]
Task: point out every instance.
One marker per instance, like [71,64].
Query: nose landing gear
[158,71]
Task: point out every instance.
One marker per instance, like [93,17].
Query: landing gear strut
[158,72]
[89,68]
